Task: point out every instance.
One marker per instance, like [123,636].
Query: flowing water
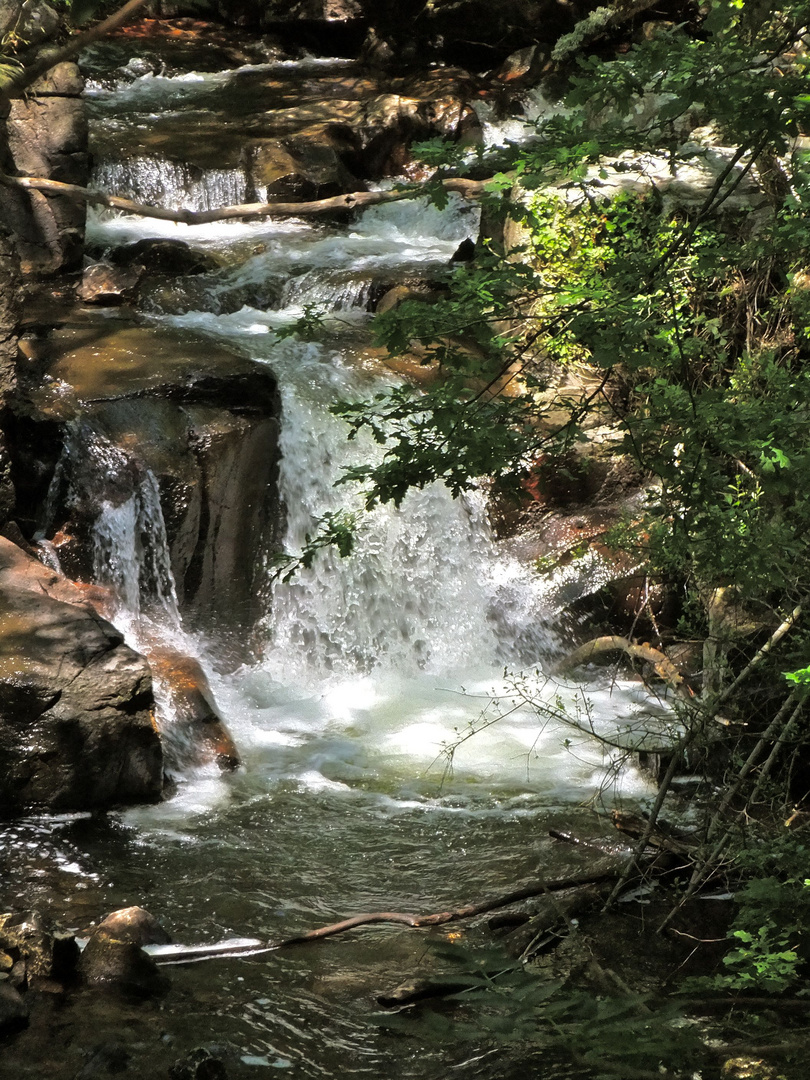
[371,668]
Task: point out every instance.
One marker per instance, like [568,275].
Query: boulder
[169,413]
[104,284]
[47,953]
[308,166]
[161,256]
[113,956]
[123,966]
[77,728]
[134,925]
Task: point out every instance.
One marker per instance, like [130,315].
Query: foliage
[334,530]
[771,930]
[692,323]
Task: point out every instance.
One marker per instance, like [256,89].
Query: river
[368,670]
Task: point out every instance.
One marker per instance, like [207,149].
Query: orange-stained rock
[198,734]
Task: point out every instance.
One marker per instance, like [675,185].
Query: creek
[361,671]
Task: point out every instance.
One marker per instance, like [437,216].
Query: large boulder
[46,136]
[77,729]
[183,434]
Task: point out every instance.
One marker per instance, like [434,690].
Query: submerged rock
[13,1009]
[77,728]
[114,957]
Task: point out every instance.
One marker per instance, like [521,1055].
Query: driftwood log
[657,837]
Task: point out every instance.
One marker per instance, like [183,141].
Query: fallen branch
[355,200]
[661,663]
[166,955]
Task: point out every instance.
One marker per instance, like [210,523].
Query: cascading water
[165,183]
[131,551]
[371,666]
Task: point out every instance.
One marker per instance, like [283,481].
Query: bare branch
[356,200]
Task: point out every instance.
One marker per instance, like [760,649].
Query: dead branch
[661,664]
[356,200]
[440,918]
[633,825]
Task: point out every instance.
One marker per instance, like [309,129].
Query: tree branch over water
[357,200]
[440,918]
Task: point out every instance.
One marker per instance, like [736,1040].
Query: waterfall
[336,290]
[114,495]
[159,182]
[131,552]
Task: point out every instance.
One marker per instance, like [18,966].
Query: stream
[367,671]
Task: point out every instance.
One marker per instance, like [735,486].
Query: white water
[131,552]
[365,659]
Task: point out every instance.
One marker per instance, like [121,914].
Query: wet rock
[123,966]
[134,925]
[159,256]
[198,419]
[47,953]
[309,167]
[400,293]
[114,955]
[198,734]
[76,722]
[747,1068]
[13,1009]
[200,1064]
[105,284]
